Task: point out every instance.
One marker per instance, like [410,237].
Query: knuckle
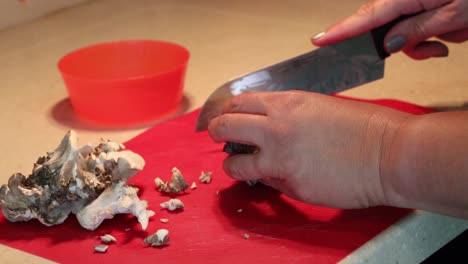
[234,171]
[284,163]
[293,98]
[223,123]
[463,18]
[233,105]
[218,127]
[366,9]
[452,18]
[281,143]
[281,133]
[420,31]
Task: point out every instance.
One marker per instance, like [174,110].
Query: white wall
[16,11]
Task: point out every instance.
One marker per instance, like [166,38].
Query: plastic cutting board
[210,229]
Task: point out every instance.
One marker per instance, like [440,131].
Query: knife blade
[327,70]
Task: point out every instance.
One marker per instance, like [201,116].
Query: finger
[458,36]
[428,49]
[240,128]
[251,103]
[372,15]
[245,167]
[411,32]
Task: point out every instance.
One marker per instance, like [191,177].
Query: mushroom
[205,177]
[172,204]
[79,180]
[157,239]
[177,184]
[118,199]
[101,248]
[108,238]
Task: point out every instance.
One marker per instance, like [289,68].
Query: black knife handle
[233,148]
[378,35]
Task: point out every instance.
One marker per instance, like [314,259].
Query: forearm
[425,164]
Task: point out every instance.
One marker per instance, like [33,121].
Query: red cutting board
[210,229]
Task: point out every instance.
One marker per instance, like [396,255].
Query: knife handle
[233,148]
[378,35]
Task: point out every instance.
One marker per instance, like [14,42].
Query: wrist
[383,126]
[391,157]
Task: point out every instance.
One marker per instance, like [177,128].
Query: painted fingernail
[395,43]
[319,35]
[441,55]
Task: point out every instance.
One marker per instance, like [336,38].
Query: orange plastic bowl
[125,83]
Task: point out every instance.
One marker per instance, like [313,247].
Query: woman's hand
[444,19]
[314,148]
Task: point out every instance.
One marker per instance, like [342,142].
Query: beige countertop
[226,39]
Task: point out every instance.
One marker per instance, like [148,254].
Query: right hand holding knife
[445,19]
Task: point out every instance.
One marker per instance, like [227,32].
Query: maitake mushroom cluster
[87,181]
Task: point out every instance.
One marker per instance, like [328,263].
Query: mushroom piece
[68,180]
[205,177]
[172,204]
[101,248]
[157,239]
[118,199]
[108,238]
[177,184]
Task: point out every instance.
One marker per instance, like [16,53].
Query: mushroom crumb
[177,184]
[172,204]
[246,236]
[101,248]
[239,210]
[205,177]
[108,238]
[194,186]
[164,220]
[157,239]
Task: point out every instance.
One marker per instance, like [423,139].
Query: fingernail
[319,35]
[395,43]
[443,54]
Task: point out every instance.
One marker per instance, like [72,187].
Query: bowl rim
[62,60]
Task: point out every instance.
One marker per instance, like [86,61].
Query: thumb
[244,167]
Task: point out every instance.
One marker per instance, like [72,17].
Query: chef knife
[327,70]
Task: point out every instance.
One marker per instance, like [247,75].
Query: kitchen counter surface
[226,39]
